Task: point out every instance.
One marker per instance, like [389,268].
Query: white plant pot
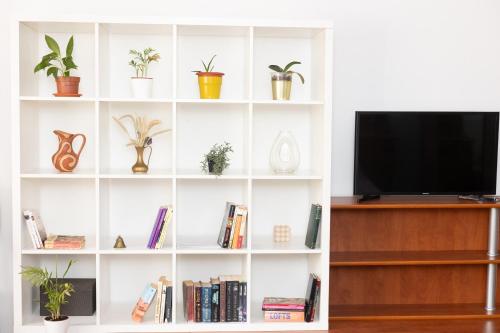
[60,326]
[142,87]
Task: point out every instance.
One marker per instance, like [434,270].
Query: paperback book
[159,232]
[232,234]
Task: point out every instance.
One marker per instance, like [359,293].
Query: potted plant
[209,81]
[142,85]
[57,294]
[216,160]
[281,79]
[142,139]
[59,67]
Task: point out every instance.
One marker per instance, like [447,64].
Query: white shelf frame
[97,176]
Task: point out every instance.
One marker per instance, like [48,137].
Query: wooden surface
[400,258]
[411,311]
[409,202]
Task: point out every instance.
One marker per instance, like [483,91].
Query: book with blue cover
[206,302]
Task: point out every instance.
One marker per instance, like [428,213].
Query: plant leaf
[300,75]
[41,66]
[287,67]
[52,71]
[68,62]
[276,68]
[69,47]
[210,63]
[67,268]
[52,44]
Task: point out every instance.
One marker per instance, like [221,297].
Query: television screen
[426,153]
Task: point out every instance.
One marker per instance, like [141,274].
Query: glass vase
[285,156]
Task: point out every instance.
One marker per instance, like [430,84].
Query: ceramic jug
[65,159]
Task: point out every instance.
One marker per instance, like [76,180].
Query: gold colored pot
[282,85]
[140,166]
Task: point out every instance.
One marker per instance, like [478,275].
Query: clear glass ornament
[285,156]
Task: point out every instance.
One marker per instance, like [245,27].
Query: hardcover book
[215,299]
[164,229]
[197,302]
[232,299]
[223,225]
[283,316]
[158,226]
[161,292]
[242,292]
[229,226]
[241,238]
[188,300]
[222,302]
[313,226]
[235,232]
[283,304]
[155,226]
[143,303]
[36,228]
[206,302]
[65,242]
[310,296]
[168,305]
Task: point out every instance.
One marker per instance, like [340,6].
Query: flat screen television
[437,153]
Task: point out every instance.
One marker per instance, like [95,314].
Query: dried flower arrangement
[142,129]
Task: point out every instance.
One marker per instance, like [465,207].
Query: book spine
[197,304]
[313,226]
[233,227]
[29,227]
[215,302]
[283,316]
[282,307]
[159,291]
[236,300]
[159,227]
[150,242]
[232,301]
[234,243]
[229,226]
[163,233]
[185,301]
[222,230]
[206,304]
[222,302]
[240,302]
[168,306]
[310,298]
[163,301]
[38,238]
[316,299]
[241,237]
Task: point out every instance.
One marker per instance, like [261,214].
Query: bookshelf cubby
[102,198]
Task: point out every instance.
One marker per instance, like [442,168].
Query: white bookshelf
[103,199]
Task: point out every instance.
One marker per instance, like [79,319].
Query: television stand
[369,197]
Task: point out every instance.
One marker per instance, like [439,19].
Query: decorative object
[142,85]
[216,160]
[285,156]
[65,159]
[142,138]
[209,82]
[57,293]
[59,67]
[119,243]
[281,80]
[282,233]
[83,299]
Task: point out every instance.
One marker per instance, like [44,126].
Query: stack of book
[283,309]
[64,242]
[280,309]
[232,232]
[36,229]
[313,226]
[223,299]
[163,306]
[159,232]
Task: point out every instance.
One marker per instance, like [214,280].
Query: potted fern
[209,82]
[57,294]
[142,85]
[60,68]
[281,79]
[216,160]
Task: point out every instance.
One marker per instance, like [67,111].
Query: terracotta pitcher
[65,159]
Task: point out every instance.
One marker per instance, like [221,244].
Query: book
[242,291]
[144,302]
[235,232]
[245,300]
[316,298]
[313,226]
[197,302]
[222,300]
[163,233]
[229,226]
[223,225]
[188,300]
[206,302]
[65,242]
[283,316]
[155,226]
[232,299]
[156,234]
[215,282]
[36,228]
[160,300]
[168,303]
[243,228]
[283,304]
[310,295]
[31,230]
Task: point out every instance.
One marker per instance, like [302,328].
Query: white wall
[388,54]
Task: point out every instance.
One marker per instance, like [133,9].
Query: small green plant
[55,64]
[141,60]
[216,160]
[287,70]
[57,293]
[207,68]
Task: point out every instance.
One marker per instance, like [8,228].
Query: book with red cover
[188,298]
[283,304]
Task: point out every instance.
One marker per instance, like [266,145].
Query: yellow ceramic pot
[210,84]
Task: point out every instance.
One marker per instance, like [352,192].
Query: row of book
[223,299]
[280,309]
[232,232]
[40,240]
[163,306]
[159,232]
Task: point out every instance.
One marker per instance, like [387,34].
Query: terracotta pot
[209,84]
[67,86]
[65,158]
[56,326]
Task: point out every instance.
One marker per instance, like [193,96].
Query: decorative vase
[57,326]
[285,156]
[210,84]
[67,86]
[65,159]
[282,85]
[142,87]
[140,166]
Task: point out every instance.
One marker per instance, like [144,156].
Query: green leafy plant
[55,64]
[140,60]
[217,159]
[57,292]
[207,68]
[287,70]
